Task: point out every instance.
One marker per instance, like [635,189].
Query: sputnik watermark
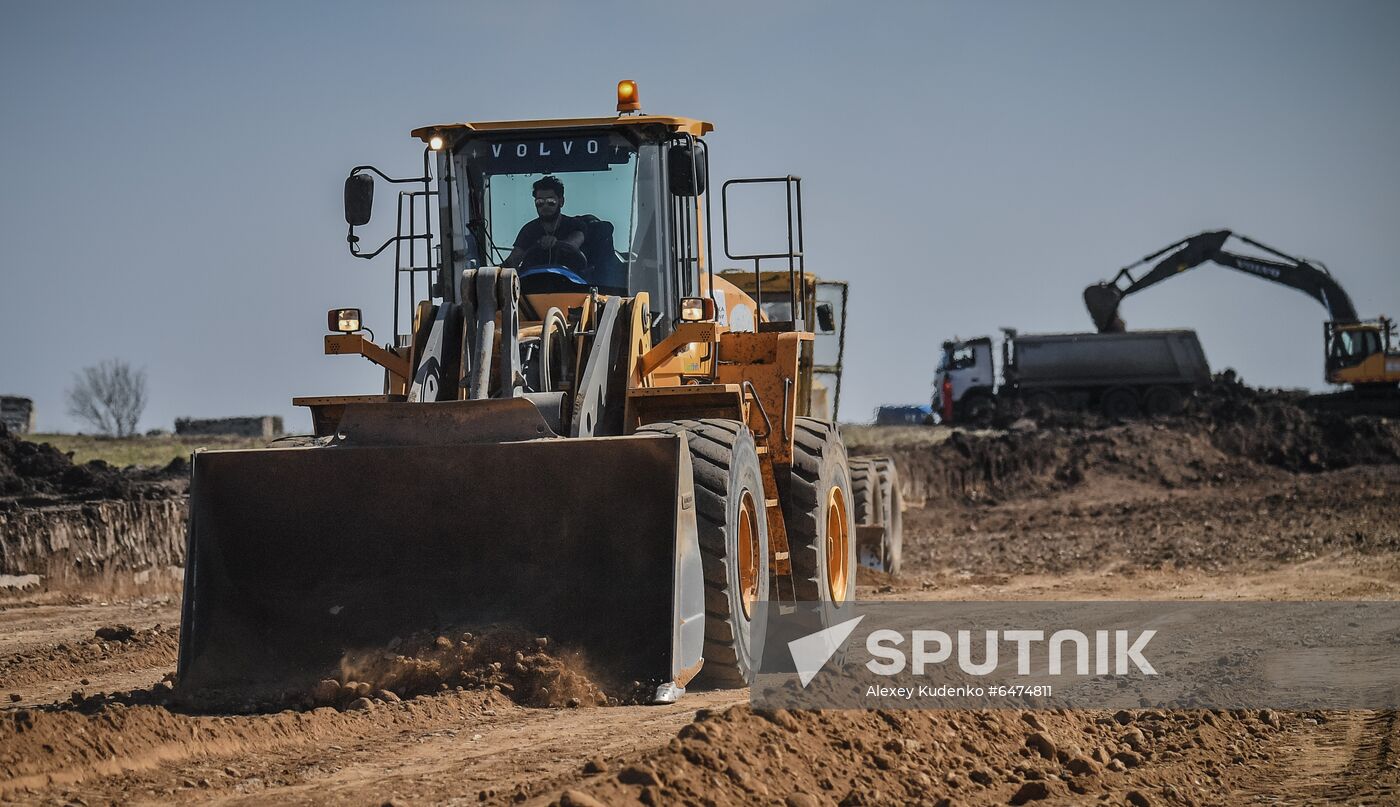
[811,652]
[1079,655]
[885,646]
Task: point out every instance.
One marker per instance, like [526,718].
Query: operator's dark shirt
[533,231]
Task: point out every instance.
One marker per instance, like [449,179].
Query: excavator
[1361,353]
[584,430]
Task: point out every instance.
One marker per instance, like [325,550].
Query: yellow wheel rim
[838,545]
[748,554]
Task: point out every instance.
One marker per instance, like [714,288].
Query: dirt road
[1240,530]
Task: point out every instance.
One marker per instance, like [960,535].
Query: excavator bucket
[1102,301]
[438,516]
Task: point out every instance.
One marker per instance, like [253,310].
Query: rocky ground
[1246,497]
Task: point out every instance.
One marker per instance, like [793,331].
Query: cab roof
[696,128]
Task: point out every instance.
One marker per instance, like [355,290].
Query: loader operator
[552,239]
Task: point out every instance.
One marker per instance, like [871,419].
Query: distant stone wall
[265,426]
[17,414]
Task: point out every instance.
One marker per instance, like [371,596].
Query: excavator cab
[1361,352]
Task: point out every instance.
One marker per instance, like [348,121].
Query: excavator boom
[1309,277]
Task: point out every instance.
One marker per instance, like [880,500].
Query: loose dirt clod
[526,668]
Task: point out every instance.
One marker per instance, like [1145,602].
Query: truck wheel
[1041,402]
[975,407]
[892,511]
[865,495]
[732,528]
[1120,403]
[818,513]
[1163,401]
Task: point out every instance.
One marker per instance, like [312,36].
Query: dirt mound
[113,647]
[944,757]
[991,466]
[1277,428]
[63,744]
[1232,432]
[526,668]
[530,669]
[38,473]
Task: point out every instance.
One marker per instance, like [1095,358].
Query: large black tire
[878,501]
[1164,401]
[1041,403]
[892,511]
[975,408]
[728,480]
[865,498]
[820,476]
[1120,403]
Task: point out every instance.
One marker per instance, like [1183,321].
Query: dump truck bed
[1171,357]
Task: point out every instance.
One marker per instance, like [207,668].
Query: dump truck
[583,430]
[1124,374]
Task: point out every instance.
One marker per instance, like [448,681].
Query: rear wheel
[1120,403]
[819,515]
[892,511]
[732,529]
[1164,401]
[866,498]
[1041,402]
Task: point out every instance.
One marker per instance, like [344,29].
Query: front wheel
[976,407]
[732,528]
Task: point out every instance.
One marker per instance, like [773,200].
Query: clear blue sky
[172,171]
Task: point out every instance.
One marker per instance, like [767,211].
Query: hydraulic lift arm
[1309,277]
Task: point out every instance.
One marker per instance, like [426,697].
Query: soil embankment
[68,527]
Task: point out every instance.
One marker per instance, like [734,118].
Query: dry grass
[127,451]
[868,437]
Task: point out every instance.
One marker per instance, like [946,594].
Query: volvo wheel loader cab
[582,431]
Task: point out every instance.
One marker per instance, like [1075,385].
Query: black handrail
[797,267]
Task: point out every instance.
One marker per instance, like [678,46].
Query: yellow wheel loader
[583,431]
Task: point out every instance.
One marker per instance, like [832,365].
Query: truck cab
[964,382]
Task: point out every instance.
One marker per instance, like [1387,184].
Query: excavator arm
[1309,277]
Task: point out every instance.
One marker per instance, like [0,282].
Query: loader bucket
[297,556]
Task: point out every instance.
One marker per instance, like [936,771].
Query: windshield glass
[1356,343]
[574,201]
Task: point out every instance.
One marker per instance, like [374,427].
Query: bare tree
[110,397]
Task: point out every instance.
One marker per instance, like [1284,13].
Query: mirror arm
[355,243]
[425,180]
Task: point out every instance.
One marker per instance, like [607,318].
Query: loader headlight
[344,320]
[435,142]
[697,309]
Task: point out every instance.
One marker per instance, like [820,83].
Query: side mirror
[826,318]
[687,169]
[359,199]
